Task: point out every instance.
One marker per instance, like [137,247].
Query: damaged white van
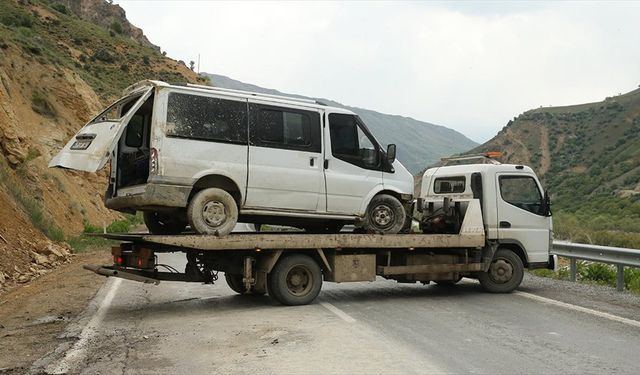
[209,157]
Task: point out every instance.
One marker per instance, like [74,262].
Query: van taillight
[153,161]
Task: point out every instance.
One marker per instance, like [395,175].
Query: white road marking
[77,352]
[585,310]
[341,314]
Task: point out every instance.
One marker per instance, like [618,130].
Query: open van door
[91,147]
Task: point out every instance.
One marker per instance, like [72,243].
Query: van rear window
[206,118]
[444,185]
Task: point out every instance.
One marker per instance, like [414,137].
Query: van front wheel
[385,214]
[212,211]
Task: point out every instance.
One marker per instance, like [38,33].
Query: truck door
[521,218]
[353,164]
[91,147]
[285,158]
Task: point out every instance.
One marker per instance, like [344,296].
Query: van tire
[163,223]
[385,214]
[212,211]
[505,272]
[295,280]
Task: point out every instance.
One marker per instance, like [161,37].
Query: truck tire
[505,272]
[235,283]
[212,211]
[163,223]
[385,214]
[295,280]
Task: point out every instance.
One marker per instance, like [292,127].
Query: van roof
[237,93]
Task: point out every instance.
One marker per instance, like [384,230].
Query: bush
[116,26]
[41,105]
[60,8]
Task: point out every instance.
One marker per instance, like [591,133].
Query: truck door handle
[312,161]
[505,224]
[326,164]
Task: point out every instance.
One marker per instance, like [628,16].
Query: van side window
[206,118]
[350,143]
[284,128]
[444,185]
[522,192]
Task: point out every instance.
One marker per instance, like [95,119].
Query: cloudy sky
[466,65]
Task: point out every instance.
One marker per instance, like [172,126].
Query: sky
[471,66]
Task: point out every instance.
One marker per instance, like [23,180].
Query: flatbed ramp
[301,240]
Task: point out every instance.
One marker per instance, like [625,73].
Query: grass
[596,273]
[85,243]
[41,105]
[31,206]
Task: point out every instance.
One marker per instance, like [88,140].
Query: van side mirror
[391,153]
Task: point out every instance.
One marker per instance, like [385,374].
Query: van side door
[521,219]
[285,157]
[353,166]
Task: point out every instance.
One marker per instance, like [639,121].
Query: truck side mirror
[391,153]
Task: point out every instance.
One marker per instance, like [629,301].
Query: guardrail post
[620,278]
[573,268]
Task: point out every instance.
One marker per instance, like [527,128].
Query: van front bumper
[154,196]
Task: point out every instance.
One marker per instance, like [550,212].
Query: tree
[192,65]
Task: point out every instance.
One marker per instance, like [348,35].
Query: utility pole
[198,63]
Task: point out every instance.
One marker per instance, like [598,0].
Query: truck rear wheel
[295,280]
[163,223]
[505,272]
[212,211]
[385,214]
[235,283]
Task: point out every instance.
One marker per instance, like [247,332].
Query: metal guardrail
[618,256]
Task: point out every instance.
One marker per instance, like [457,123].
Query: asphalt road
[380,327]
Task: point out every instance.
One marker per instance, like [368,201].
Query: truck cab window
[350,143]
[444,185]
[522,192]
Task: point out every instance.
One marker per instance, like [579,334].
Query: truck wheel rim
[382,216]
[299,280]
[214,213]
[501,271]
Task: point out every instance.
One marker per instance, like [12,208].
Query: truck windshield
[118,109]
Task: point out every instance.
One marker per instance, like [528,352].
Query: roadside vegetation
[89,240]
[596,273]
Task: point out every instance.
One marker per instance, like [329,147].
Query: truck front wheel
[295,280]
[505,272]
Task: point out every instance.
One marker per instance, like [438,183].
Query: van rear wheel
[385,214]
[212,211]
[163,223]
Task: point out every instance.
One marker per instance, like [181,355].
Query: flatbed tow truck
[480,221]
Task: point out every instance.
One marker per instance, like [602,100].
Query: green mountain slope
[588,156]
[419,143]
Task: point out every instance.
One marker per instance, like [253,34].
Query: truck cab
[515,208]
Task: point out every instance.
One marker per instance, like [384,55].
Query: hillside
[419,143]
[57,69]
[588,156]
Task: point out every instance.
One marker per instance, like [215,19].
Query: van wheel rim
[214,213]
[501,271]
[382,216]
[299,280]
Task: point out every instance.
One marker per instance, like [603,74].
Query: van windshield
[118,109]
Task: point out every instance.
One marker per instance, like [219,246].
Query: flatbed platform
[302,240]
